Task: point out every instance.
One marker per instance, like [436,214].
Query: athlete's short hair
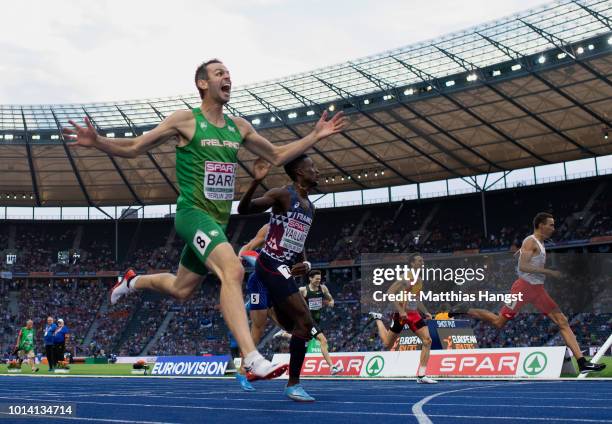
[540,218]
[202,74]
[292,166]
[314,273]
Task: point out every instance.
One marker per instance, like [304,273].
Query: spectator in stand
[48,339]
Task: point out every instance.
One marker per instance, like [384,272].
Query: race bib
[294,236]
[316,303]
[219,178]
[285,271]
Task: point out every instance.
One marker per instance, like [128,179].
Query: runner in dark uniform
[282,257]
[317,296]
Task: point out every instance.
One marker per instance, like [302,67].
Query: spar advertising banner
[526,362]
[191,365]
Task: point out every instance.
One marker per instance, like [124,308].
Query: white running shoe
[375,315]
[262,369]
[336,369]
[121,288]
[426,380]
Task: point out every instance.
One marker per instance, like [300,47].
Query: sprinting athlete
[316,294]
[206,160]
[258,303]
[407,313]
[25,345]
[281,258]
[257,298]
[532,272]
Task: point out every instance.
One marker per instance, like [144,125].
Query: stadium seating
[196,325]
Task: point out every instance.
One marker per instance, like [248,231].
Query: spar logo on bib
[294,236]
[219,180]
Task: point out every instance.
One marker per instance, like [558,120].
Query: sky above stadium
[75,51]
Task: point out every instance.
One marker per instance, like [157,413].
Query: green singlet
[206,173]
[26,343]
[315,303]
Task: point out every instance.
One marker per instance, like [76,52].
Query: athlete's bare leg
[273,317]
[292,312]
[388,337]
[498,321]
[226,265]
[179,286]
[259,319]
[568,335]
[325,349]
[423,334]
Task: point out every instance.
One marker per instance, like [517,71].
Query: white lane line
[104,420]
[357,402]
[194,395]
[489,418]
[417,408]
[327,412]
[519,406]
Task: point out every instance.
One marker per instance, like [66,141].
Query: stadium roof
[531,89]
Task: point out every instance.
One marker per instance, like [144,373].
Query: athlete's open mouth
[226,88]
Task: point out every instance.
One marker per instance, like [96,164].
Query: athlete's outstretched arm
[247,204]
[256,241]
[279,155]
[271,198]
[87,136]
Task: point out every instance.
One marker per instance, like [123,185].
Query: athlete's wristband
[308,264]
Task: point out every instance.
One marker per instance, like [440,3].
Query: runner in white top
[532,272]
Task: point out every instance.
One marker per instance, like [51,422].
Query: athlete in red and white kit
[408,313]
[532,272]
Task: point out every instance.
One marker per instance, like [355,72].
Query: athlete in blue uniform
[257,295]
[282,256]
[257,304]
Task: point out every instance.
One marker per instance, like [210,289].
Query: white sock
[422,370]
[132,283]
[251,358]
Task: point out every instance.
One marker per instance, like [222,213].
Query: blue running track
[155,400]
